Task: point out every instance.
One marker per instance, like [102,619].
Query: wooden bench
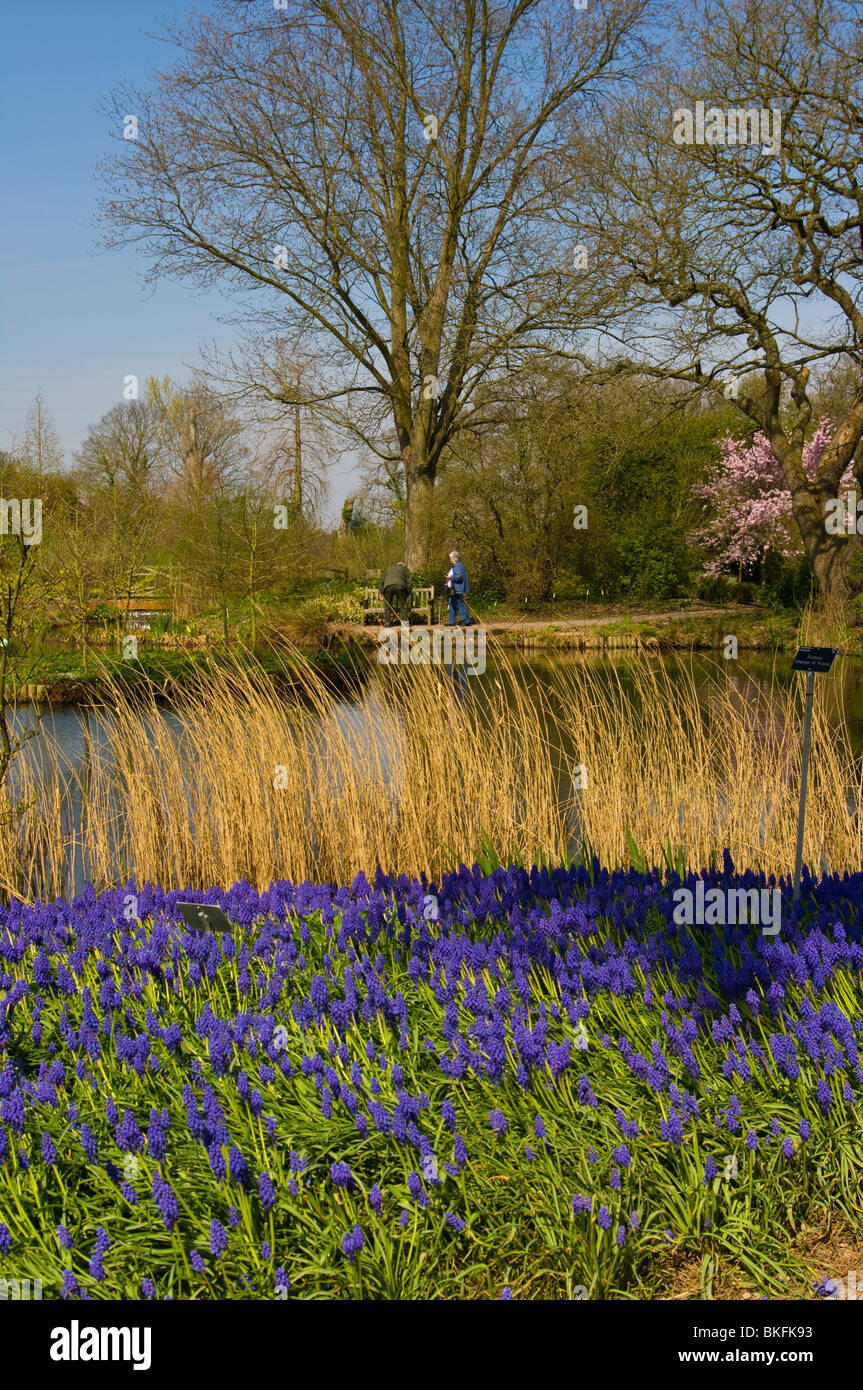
[421,603]
[372,604]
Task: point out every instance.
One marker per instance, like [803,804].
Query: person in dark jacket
[395,589]
[457,586]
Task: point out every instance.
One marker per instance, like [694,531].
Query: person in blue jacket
[457,586]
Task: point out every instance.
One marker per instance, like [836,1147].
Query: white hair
[454,555]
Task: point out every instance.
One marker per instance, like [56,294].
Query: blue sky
[76,319]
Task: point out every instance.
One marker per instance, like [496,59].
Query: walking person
[395,589]
[457,586]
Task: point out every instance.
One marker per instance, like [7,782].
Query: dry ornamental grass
[236,781]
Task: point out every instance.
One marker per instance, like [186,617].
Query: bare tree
[201,442]
[117,474]
[122,447]
[732,232]
[41,451]
[382,174]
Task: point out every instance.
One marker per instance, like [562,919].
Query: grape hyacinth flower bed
[545,1085]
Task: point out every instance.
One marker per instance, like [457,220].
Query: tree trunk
[419,486]
[829,557]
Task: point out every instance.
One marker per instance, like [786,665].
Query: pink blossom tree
[751,504]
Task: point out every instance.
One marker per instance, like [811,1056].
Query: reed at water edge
[242,782]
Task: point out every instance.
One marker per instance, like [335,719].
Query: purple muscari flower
[710,1170]
[804,1130]
[375,1199]
[634,1219]
[448,1112]
[848,1094]
[352,1243]
[585,1092]
[65,1238]
[218,1238]
[592,1155]
[459,1150]
[293,1188]
[454,1221]
[111,1111]
[751,1139]
[621,1155]
[827,1288]
[267,1191]
[197,1262]
[671,1129]
[148,1288]
[129,1193]
[580,1203]
[506,1295]
[237,1165]
[163,1196]
[70,1287]
[620,1235]
[49,1152]
[404,1217]
[497,1120]
[282,1280]
[97,1269]
[604,1219]
[266,1250]
[233,1217]
[217,1160]
[156,1139]
[669,1236]
[615,1178]
[88,1144]
[342,1176]
[5,1239]
[129,1136]
[529,1153]
[788,1148]
[539,1127]
[380,1116]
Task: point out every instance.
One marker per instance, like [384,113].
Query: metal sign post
[810,660]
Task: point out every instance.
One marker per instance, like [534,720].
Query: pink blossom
[751,502]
